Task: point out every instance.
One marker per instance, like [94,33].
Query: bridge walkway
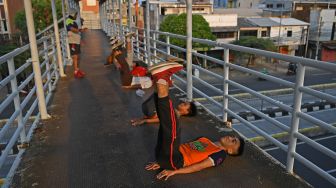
[89,141]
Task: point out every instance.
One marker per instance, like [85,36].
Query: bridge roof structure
[89,141]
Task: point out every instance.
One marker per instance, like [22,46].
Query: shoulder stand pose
[176,158]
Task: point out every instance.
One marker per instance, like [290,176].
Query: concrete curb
[277,112]
[271,92]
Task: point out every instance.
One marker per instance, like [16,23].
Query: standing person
[169,153]
[74,41]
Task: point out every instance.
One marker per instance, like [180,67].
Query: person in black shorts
[171,155]
[74,38]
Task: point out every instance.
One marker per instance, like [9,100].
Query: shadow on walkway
[89,141]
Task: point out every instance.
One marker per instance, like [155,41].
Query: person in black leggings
[170,154]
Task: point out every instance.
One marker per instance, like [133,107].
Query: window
[224,35]
[198,9]
[299,8]
[269,6]
[289,33]
[4,24]
[280,5]
[264,34]
[163,11]
[249,33]
[1,1]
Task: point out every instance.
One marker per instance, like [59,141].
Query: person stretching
[170,155]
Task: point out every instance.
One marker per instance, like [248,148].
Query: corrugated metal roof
[289,21]
[263,22]
[270,22]
[242,12]
[244,22]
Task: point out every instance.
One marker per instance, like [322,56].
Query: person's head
[73,13]
[187,109]
[233,145]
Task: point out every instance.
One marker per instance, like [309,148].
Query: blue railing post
[17,104]
[58,42]
[66,47]
[120,20]
[46,58]
[147,20]
[54,54]
[137,42]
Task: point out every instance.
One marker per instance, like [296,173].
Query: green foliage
[18,60]
[42,14]
[254,42]
[177,24]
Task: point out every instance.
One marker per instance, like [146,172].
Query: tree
[253,42]
[177,24]
[42,14]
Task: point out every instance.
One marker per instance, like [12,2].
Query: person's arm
[206,163]
[75,30]
[117,64]
[143,121]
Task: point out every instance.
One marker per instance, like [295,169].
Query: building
[90,13]
[322,30]
[276,8]
[223,26]
[248,4]
[199,7]
[8,9]
[241,12]
[289,36]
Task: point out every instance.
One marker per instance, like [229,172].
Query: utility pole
[280,29]
[318,37]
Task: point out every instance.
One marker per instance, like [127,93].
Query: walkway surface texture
[89,141]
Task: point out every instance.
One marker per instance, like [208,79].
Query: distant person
[190,157]
[118,58]
[74,38]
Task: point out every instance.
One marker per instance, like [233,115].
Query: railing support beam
[58,42]
[189,49]
[35,60]
[295,118]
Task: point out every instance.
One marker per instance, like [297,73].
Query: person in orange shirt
[176,158]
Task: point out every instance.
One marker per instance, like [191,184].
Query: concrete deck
[89,141]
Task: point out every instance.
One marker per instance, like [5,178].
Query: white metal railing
[160,50]
[19,113]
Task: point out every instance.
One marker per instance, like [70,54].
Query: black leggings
[169,137]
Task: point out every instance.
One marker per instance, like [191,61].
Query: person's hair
[240,150]
[192,109]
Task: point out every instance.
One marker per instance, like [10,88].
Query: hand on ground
[137,122]
[165,174]
[152,166]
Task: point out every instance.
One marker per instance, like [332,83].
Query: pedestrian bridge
[68,132]
[89,141]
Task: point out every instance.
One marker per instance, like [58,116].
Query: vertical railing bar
[225,84]
[17,103]
[295,118]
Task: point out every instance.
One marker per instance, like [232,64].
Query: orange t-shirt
[198,150]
